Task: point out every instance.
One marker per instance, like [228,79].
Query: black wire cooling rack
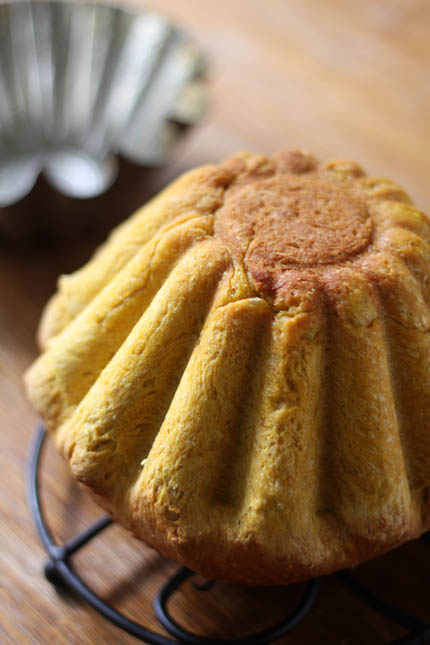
[59,571]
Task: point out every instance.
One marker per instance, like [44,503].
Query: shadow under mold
[47,220]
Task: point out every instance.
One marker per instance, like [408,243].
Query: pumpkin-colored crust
[241,374]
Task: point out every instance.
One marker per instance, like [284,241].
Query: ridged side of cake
[255,409]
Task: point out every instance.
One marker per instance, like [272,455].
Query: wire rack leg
[59,571]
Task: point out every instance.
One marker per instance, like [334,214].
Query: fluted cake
[241,374]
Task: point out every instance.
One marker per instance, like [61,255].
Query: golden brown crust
[279,223]
[241,375]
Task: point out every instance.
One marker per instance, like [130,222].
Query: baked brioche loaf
[241,374]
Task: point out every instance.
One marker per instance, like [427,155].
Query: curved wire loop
[59,571]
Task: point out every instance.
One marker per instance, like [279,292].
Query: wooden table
[341,78]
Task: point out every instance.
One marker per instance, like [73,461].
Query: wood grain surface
[346,78]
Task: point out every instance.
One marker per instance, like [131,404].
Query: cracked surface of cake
[241,374]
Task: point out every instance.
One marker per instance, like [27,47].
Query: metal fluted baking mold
[80,83]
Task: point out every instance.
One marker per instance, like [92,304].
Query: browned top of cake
[241,375]
[285,221]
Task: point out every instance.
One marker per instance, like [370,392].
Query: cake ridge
[380,188]
[397,395]
[283,425]
[413,432]
[212,310]
[366,465]
[229,489]
[399,289]
[186,434]
[99,337]
[413,251]
[145,352]
[263,415]
[324,503]
[200,191]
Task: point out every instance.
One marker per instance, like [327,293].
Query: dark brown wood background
[345,78]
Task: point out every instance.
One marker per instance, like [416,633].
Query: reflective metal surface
[81,82]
